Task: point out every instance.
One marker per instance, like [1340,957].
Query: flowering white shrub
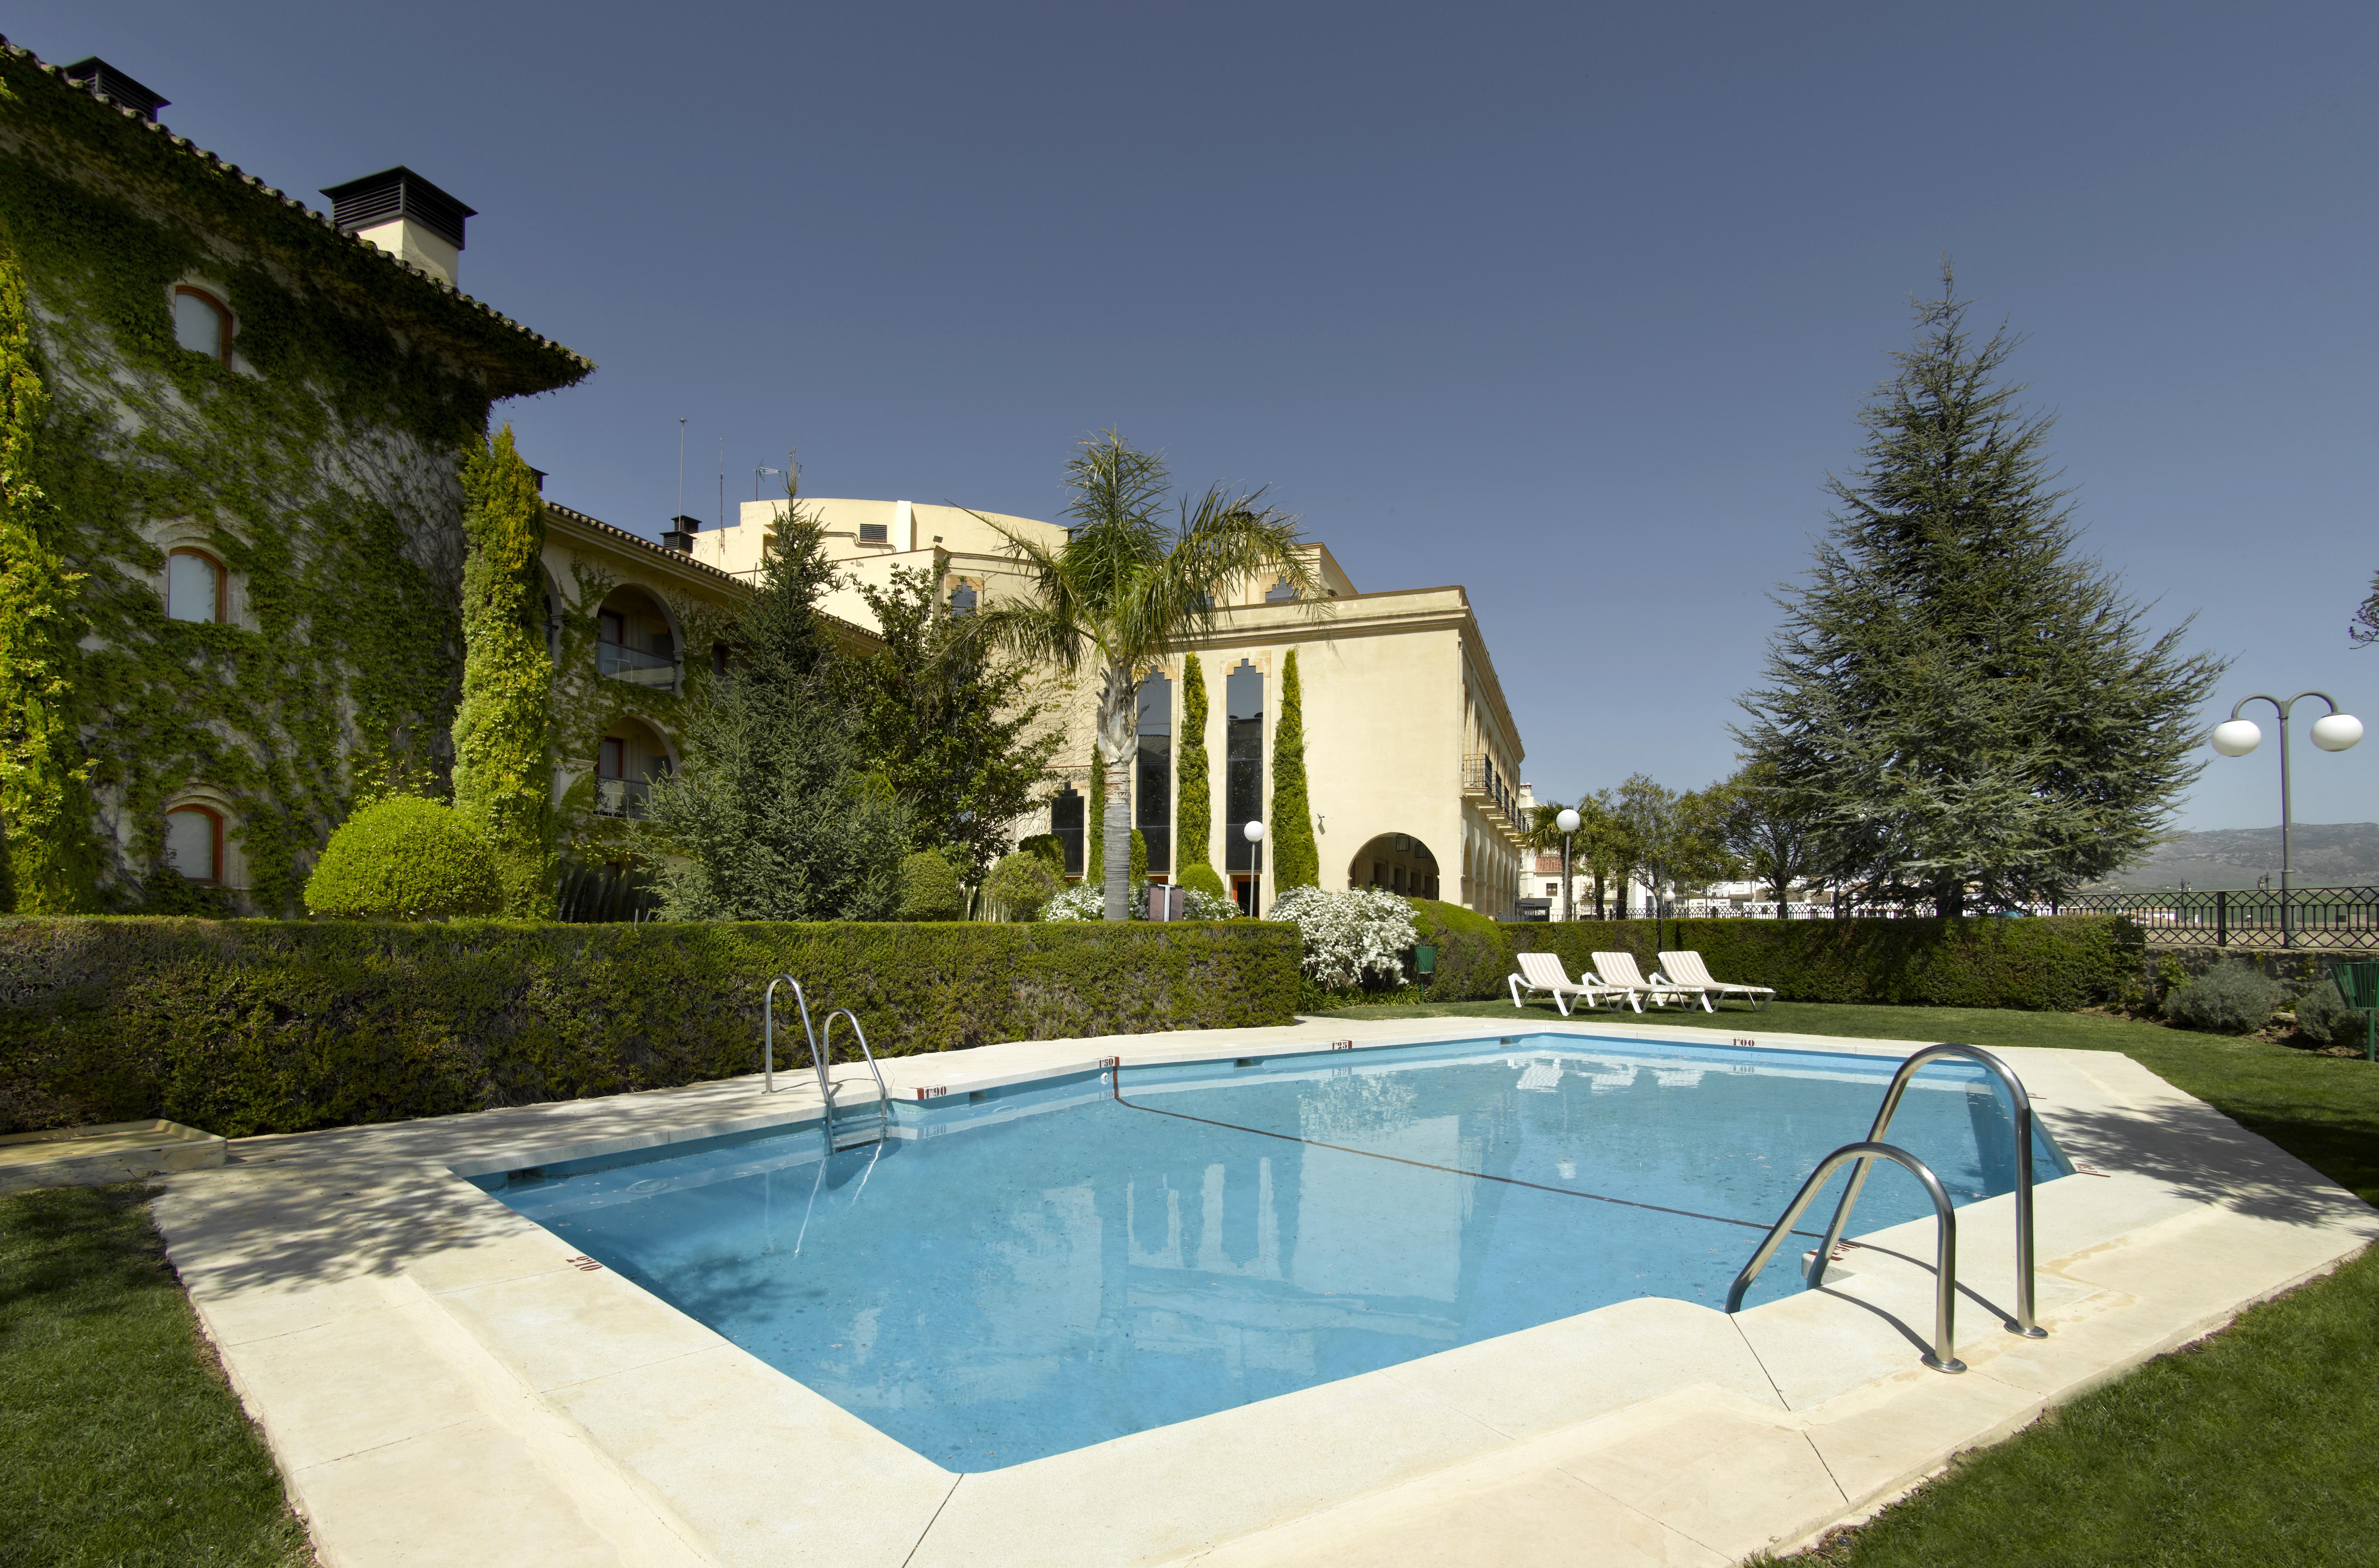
[1088,901]
[1349,936]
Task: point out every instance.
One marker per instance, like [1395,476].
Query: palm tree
[1128,589]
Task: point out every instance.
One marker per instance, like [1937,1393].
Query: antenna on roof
[681,468]
[722,481]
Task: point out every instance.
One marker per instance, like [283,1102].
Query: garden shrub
[929,888]
[2229,998]
[1024,882]
[2050,964]
[255,1026]
[1048,845]
[1203,878]
[2324,1017]
[1352,937]
[405,858]
[1198,904]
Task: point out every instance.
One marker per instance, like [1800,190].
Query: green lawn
[120,1443]
[2259,1446]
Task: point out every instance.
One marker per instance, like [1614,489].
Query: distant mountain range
[2337,854]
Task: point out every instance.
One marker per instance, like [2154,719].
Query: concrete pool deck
[443,1382]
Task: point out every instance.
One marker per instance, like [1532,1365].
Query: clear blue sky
[1570,303]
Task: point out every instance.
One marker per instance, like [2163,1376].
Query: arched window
[202,323]
[194,585]
[193,842]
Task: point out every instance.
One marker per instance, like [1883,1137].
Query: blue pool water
[1027,1271]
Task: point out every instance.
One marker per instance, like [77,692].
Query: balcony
[622,798]
[637,667]
[1483,783]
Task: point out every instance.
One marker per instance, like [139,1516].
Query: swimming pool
[1021,1272]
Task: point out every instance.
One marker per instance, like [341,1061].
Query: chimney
[404,215]
[679,533]
[113,85]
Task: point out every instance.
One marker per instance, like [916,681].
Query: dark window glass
[1243,765]
[1280,592]
[876,533]
[962,600]
[1065,822]
[1152,788]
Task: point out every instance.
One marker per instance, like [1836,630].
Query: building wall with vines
[315,461]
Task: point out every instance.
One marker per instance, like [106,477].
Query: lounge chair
[1543,972]
[1687,969]
[1618,972]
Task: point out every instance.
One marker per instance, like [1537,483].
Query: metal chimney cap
[397,193]
[105,80]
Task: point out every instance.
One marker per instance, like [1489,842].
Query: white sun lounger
[1687,969]
[1543,972]
[1618,972]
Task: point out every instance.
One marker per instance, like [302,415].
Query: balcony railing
[1483,782]
[635,666]
[621,797]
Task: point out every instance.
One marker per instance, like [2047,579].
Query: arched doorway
[1396,861]
[635,640]
[627,759]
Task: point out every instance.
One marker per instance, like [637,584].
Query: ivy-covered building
[230,430]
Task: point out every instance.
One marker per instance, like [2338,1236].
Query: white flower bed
[1088,901]
[1349,936]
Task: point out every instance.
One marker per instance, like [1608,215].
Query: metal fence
[2254,917]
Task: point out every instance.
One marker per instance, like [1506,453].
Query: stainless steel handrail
[1943,1356]
[883,1095]
[769,1033]
[2024,1323]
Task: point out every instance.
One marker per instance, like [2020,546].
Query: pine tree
[49,861]
[776,816]
[1194,811]
[1296,859]
[957,730]
[1966,701]
[503,763]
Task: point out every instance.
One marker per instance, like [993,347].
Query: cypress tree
[503,764]
[49,861]
[1962,698]
[1194,811]
[1296,859]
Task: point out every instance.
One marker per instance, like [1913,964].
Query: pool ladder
[1943,1356]
[821,1055]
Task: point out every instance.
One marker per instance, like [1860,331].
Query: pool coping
[442,1379]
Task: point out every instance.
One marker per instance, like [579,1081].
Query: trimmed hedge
[2052,964]
[252,1026]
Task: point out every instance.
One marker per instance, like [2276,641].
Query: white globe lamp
[2336,731]
[1568,820]
[2236,736]
[1254,831]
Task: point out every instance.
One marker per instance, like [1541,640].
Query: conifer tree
[1296,859]
[503,763]
[1194,811]
[776,816]
[1964,699]
[49,861]
[1095,856]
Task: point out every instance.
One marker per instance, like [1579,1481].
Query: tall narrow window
[1065,822]
[202,324]
[1243,767]
[1152,789]
[194,585]
[194,843]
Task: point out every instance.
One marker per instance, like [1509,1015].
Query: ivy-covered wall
[319,466]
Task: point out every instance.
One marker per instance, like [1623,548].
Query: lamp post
[1568,822]
[1253,833]
[2235,737]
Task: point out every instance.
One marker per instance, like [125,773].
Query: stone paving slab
[442,1382]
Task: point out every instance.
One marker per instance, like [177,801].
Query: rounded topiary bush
[929,888]
[2229,998]
[1024,882]
[1204,879]
[405,859]
[2324,1017]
